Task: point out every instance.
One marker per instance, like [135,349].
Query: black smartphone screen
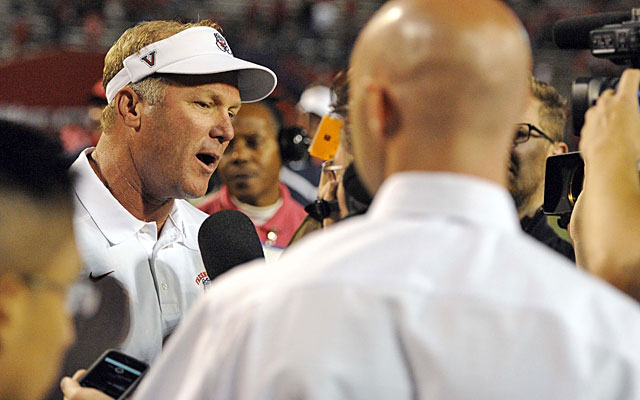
[114,374]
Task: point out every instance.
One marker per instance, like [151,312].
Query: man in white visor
[173,90]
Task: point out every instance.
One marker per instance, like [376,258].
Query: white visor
[200,50]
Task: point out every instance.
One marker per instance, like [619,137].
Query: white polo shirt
[163,275]
[435,293]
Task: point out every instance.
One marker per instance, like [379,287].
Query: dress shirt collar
[114,221]
[451,195]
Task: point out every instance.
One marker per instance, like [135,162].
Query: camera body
[617,42]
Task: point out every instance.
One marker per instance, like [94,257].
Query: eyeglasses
[526,131]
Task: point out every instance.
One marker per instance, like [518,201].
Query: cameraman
[605,226]
[539,136]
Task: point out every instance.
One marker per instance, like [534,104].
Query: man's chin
[244,196]
[520,197]
[193,192]
[240,187]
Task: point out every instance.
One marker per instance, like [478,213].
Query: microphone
[573,33]
[226,239]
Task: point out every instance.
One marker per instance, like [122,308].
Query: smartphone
[115,374]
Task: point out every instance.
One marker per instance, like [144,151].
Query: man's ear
[559,148]
[383,113]
[128,107]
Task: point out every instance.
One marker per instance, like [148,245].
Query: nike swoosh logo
[97,278]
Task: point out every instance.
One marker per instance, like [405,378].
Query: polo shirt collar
[455,196]
[112,219]
[187,236]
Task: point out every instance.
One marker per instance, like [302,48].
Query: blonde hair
[552,112]
[131,41]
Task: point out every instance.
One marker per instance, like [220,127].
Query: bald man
[435,293]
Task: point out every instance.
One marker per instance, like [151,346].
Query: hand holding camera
[616,37]
[608,210]
[605,225]
[611,133]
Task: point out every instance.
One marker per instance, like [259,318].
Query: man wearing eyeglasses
[38,262]
[538,136]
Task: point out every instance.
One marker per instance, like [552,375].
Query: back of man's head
[34,182]
[437,85]
[33,164]
[38,260]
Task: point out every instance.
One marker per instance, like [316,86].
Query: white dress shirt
[435,293]
[163,275]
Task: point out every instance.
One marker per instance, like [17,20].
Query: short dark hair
[34,164]
[552,112]
[271,104]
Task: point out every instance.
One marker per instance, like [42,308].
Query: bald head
[442,72]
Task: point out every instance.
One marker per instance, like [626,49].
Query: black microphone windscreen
[227,238]
[573,33]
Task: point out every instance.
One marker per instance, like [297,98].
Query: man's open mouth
[206,159]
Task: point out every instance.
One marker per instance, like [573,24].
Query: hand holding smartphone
[115,374]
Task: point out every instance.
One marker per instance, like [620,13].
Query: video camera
[614,36]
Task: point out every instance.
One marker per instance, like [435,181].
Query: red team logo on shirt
[204,278]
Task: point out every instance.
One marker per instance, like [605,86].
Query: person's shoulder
[294,209]
[556,286]
[238,289]
[302,263]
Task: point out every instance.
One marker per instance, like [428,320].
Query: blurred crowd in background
[304,41]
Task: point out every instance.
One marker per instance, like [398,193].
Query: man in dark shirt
[539,135]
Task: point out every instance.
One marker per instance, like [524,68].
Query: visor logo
[222,43]
[149,59]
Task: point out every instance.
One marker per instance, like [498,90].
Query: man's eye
[253,143]
[521,134]
[202,104]
[232,115]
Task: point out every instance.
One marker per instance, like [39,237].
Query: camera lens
[575,185]
[584,94]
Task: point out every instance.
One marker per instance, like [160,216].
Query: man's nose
[222,129]
[240,152]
